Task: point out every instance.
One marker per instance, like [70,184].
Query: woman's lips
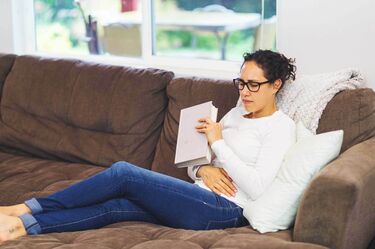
[247,101]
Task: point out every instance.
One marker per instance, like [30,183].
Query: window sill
[181,67]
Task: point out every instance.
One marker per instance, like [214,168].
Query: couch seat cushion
[24,177]
[140,235]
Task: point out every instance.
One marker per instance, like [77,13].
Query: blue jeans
[125,192]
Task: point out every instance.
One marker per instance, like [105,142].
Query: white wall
[323,35]
[16,25]
[6,24]
[328,35]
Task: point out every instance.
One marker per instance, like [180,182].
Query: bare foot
[10,228]
[15,210]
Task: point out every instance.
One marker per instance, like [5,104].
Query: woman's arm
[253,180]
[192,171]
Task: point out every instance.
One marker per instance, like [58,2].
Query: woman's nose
[244,91]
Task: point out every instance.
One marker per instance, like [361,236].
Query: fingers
[211,184]
[226,174]
[220,187]
[207,123]
[206,119]
[204,123]
[224,189]
[229,185]
[216,191]
[228,180]
[201,128]
[218,181]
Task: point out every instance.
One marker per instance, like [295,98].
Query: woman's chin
[249,107]
[248,110]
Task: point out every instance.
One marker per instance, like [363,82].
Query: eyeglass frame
[249,82]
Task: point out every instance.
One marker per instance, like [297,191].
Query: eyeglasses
[253,86]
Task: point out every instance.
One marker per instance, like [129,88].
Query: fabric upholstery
[337,209]
[6,63]
[24,177]
[82,112]
[354,112]
[182,93]
[139,235]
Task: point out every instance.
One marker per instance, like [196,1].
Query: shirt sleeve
[192,172]
[254,179]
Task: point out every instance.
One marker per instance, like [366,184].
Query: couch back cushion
[350,110]
[83,112]
[182,93]
[354,112]
[6,63]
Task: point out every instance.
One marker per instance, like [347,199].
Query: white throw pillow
[276,208]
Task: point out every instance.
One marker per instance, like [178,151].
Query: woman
[249,144]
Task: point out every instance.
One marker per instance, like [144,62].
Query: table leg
[223,44]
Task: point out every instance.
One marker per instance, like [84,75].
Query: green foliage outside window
[60,28]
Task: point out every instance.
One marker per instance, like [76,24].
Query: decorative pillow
[276,208]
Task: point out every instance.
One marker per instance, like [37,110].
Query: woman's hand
[211,129]
[217,179]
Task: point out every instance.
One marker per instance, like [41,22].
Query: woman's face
[264,98]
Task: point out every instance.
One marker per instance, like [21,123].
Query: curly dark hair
[274,65]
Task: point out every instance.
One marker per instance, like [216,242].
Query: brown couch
[64,120]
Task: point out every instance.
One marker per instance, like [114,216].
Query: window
[193,29]
[80,27]
[188,37]
[219,30]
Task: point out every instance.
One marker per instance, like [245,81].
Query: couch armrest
[337,210]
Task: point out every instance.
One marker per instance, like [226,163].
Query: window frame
[26,41]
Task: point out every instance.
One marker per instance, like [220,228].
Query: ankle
[21,209]
[15,210]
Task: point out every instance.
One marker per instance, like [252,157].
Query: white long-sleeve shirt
[251,151]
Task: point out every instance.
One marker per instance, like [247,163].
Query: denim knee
[122,167]
[122,164]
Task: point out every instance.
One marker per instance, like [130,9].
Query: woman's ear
[277,85]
